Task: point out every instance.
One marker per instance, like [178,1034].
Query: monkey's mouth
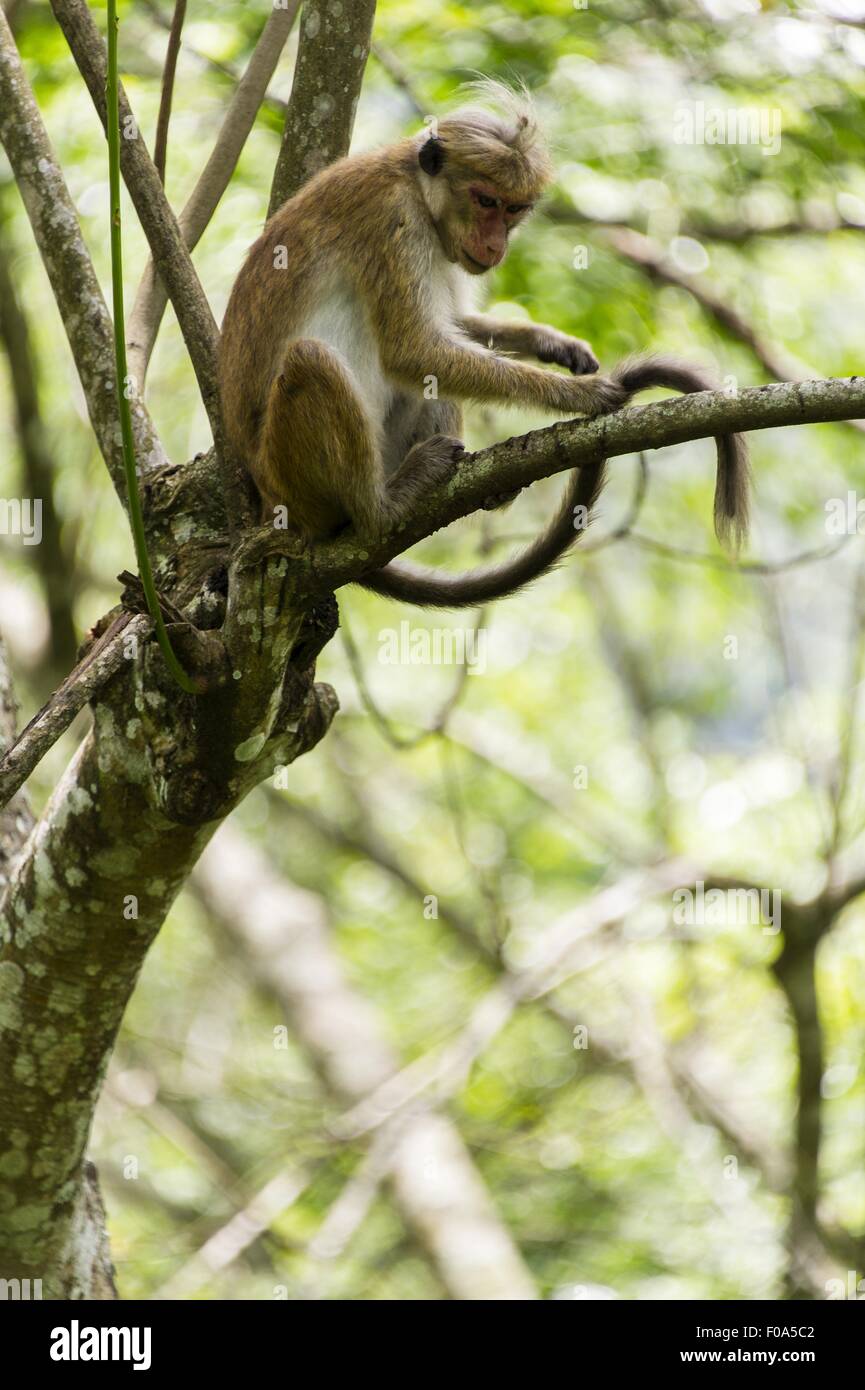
[479,265]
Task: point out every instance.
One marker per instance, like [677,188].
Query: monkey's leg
[446,417]
[319,456]
[410,421]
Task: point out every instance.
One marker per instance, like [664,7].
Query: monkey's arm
[412,352]
[417,341]
[531,340]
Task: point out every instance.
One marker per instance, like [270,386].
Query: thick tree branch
[118,839]
[151,298]
[70,270]
[229,70]
[331,58]
[401,77]
[166,242]
[508,466]
[515,463]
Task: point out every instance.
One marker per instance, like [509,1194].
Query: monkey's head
[481,172]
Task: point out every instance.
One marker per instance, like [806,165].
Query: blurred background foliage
[610,1165]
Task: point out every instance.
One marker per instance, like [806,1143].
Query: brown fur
[325,360]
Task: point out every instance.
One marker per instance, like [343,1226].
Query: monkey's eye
[485,200]
[514,208]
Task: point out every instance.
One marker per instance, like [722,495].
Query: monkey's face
[488,217]
[473,215]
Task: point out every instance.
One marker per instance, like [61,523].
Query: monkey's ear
[431,156]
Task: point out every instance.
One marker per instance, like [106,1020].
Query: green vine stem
[135,516]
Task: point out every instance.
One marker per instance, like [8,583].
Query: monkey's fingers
[572,353]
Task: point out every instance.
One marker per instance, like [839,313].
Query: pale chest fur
[339,319]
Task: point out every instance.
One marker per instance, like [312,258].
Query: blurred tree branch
[76,289]
[160,144]
[569,213]
[282,933]
[250,91]
[652,259]
[52,556]
[559,952]
[166,241]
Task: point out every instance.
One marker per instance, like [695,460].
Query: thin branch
[104,660]
[16,818]
[160,144]
[151,298]
[705,229]
[623,529]
[400,76]
[757,567]
[331,58]
[157,219]
[361,840]
[402,742]
[70,270]
[348,1212]
[235,1236]
[228,70]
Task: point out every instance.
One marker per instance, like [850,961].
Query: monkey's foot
[433,460]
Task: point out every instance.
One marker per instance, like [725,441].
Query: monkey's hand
[593,395]
[564,351]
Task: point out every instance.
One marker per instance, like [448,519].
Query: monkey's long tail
[732,486]
[434,588]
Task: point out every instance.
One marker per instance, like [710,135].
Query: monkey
[358,295]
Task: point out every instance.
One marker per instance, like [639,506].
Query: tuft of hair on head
[497,134]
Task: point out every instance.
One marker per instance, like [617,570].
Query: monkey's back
[330,230]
